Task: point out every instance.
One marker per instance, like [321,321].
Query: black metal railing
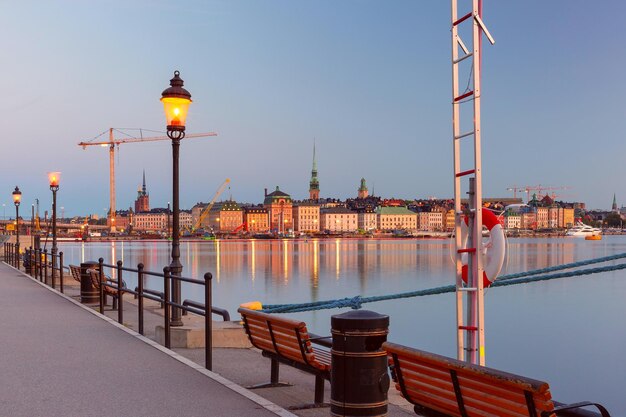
[199,308]
[11,254]
[45,267]
[140,293]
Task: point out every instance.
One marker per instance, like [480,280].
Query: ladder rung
[464,18]
[463,58]
[468,289]
[462,96]
[468,250]
[463,173]
[468,328]
[464,135]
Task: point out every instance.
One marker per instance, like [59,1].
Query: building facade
[257,219]
[306,218]
[396,218]
[279,208]
[339,220]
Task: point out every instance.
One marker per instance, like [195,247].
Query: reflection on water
[569,332]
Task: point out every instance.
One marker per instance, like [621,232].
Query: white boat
[582,230]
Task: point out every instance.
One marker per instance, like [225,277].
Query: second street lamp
[17,199]
[176,102]
[53,178]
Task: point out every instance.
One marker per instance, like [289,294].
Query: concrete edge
[268,405]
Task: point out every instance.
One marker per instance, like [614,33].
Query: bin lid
[359,320]
[89,263]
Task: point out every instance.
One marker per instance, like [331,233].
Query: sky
[368,81]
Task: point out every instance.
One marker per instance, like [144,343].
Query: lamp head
[17,196]
[176,102]
[53,179]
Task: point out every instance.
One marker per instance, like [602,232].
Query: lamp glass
[17,197]
[53,178]
[176,110]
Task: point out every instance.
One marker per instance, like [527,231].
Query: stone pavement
[243,367]
[59,359]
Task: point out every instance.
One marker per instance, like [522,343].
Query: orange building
[256,219]
[279,208]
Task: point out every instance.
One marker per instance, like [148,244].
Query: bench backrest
[450,386]
[75,270]
[282,336]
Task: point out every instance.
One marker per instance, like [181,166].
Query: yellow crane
[112,143]
[207,209]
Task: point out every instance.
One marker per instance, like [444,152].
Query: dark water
[569,332]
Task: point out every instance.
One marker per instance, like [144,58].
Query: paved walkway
[60,359]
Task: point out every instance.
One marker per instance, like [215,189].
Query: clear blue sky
[369,80]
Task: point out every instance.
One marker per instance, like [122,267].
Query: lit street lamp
[176,102]
[17,198]
[53,178]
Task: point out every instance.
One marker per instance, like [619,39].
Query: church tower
[363,192]
[314,184]
[142,203]
[614,207]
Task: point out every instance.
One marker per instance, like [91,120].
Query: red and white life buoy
[493,250]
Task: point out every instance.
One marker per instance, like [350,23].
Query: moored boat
[582,230]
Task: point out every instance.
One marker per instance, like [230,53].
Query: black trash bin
[88,294]
[359,377]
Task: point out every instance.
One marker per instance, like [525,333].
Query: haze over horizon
[369,81]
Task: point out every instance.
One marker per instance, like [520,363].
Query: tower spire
[614,207]
[143,188]
[314,184]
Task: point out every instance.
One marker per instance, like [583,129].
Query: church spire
[143,188]
[614,207]
[314,184]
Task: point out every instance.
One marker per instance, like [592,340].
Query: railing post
[166,292]
[31,261]
[17,256]
[208,322]
[39,260]
[100,288]
[45,265]
[140,297]
[61,269]
[53,263]
[120,294]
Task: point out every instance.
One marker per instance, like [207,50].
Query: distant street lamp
[176,102]
[53,178]
[17,199]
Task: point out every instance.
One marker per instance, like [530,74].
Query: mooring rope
[505,280]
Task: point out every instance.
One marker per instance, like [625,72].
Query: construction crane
[541,190]
[515,189]
[207,209]
[112,143]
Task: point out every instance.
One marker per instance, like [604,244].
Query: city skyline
[370,83]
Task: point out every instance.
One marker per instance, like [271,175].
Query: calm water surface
[569,332]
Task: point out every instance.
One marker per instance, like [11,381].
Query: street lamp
[176,102]
[53,179]
[17,199]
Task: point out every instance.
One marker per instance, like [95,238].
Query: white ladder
[471,329]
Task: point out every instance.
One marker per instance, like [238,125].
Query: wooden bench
[441,386]
[75,271]
[113,290]
[287,341]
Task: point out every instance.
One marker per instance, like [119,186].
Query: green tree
[613,220]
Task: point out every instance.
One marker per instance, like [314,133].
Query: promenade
[60,359]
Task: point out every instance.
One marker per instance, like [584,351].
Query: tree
[613,220]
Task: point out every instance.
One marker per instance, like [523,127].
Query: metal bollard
[88,294]
[359,377]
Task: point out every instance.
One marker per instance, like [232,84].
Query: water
[569,332]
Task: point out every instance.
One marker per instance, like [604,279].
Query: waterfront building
[256,219]
[225,217]
[314,184]
[367,220]
[279,207]
[142,203]
[529,220]
[123,219]
[568,217]
[339,220]
[196,210]
[512,221]
[306,217]
[362,191]
[185,220]
[397,218]
[555,217]
[449,220]
[154,220]
[542,217]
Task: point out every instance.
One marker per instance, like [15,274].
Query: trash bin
[88,294]
[359,377]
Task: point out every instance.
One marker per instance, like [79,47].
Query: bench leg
[114,306]
[319,390]
[273,378]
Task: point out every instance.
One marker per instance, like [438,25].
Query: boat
[593,237]
[582,230]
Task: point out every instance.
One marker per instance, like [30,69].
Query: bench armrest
[565,407]
[325,341]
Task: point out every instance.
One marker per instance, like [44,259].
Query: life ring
[493,250]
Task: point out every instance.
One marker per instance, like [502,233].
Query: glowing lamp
[17,196]
[53,179]
[176,102]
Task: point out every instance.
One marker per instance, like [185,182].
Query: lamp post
[17,198]
[53,178]
[176,102]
